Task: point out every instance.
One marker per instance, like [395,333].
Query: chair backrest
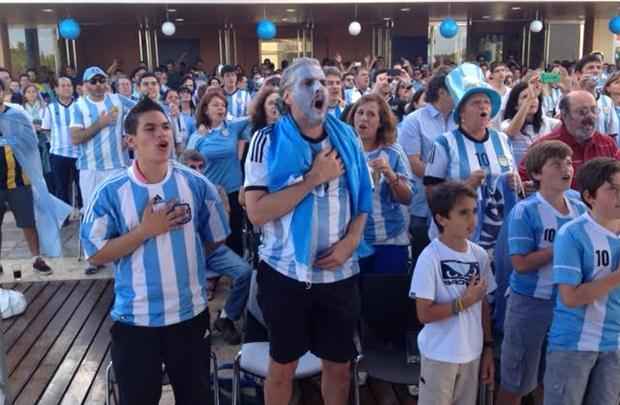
[387,310]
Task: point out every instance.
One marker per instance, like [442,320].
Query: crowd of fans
[346,167]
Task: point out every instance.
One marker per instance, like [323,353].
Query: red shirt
[598,146]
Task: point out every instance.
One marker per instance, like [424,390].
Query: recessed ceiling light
[47,10]
[405,9]
[172,10]
[179,19]
[284,19]
[516,8]
[387,18]
[290,10]
[486,17]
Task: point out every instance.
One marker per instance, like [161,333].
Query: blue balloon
[266,29]
[448,28]
[614,25]
[69,28]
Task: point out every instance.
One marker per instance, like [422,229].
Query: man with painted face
[308,187]
[579,114]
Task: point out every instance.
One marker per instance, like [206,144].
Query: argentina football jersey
[584,251]
[57,119]
[237,104]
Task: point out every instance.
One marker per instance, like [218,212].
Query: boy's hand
[487,367]
[336,255]
[475,291]
[161,220]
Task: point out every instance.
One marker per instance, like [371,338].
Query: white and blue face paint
[310,94]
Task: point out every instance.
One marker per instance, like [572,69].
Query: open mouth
[484,114]
[163,145]
[566,177]
[318,104]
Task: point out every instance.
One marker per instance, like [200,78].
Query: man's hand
[107,119]
[325,167]
[487,367]
[336,255]
[475,291]
[476,178]
[160,220]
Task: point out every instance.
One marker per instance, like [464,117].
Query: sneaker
[228,330]
[41,267]
[90,270]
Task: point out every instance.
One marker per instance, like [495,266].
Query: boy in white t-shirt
[450,282]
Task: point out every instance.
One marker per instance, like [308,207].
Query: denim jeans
[225,262]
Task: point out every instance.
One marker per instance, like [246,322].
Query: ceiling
[294,12]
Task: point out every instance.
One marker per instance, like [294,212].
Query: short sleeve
[127,103]
[47,118]
[567,254]
[255,163]
[439,160]
[77,118]
[423,283]
[521,237]
[504,125]
[98,224]
[402,167]
[212,217]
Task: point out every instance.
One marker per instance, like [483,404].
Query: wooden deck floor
[57,351]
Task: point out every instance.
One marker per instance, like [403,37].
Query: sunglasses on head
[97,80]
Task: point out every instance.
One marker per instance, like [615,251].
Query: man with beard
[308,187]
[579,115]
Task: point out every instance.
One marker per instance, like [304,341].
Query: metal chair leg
[236,388]
[216,380]
[109,386]
[356,386]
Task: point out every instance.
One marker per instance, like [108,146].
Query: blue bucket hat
[91,72]
[467,79]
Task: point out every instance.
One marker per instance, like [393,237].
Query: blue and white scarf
[50,212]
[290,157]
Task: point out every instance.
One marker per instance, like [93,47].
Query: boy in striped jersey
[157,221]
[237,99]
[63,154]
[583,359]
[532,227]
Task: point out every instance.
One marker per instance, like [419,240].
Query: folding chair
[253,356]
[112,395]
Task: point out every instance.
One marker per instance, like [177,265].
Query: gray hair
[332,71]
[290,74]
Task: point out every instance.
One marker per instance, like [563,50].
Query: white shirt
[441,275]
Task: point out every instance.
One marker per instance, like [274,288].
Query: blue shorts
[525,339]
[387,259]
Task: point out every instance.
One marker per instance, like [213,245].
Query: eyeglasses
[97,80]
[584,112]
[408,87]
[198,168]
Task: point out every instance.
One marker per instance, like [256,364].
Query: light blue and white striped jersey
[56,119]
[456,155]
[416,135]
[607,122]
[336,110]
[532,227]
[331,218]
[163,282]
[354,94]
[388,223]
[585,251]
[105,150]
[237,103]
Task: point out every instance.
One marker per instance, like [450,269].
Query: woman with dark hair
[524,120]
[418,100]
[220,141]
[188,108]
[612,90]
[387,227]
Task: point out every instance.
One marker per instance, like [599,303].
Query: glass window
[17,49]
[452,49]
[33,47]
[278,50]
[48,47]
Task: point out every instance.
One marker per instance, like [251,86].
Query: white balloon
[168,28]
[355,28]
[536,26]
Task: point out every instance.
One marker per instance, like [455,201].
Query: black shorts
[321,319]
[21,203]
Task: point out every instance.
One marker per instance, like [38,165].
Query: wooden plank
[30,318]
[20,376]
[57,356]
[70,366]
[90,381]
[30,293]
[402,392]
